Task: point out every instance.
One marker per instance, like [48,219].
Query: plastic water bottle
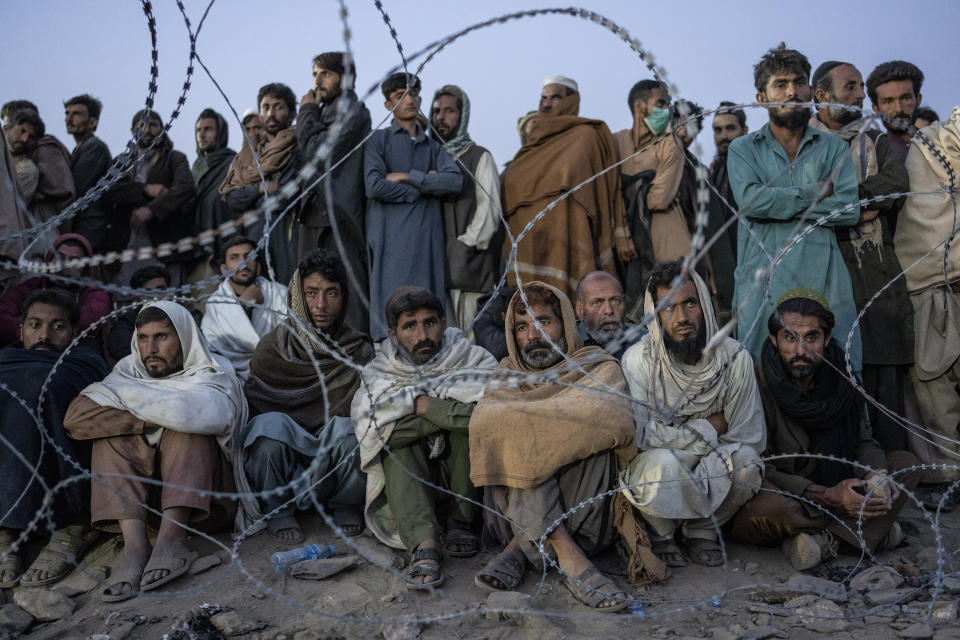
[636,608]
[281,561]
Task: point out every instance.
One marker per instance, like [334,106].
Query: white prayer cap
[570,83]
[250,112]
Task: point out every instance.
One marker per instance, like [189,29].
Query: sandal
[943,497]
[424,562]
[460,538]
[593,595]
[276,524]
[668,551]
[128,572]
[705,552]
[61,555]
[175,558]
[350,521]
[11,562]
[506,568]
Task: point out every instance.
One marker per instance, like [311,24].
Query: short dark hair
[805,307]
[143,275]
[210,113]
[334,61]
[662,276]
[145,114]
[891,72]
[56,298]
[926,113]
[778,60]
[152,314]
[278,90]
[413,300]
[727,108]
[94,106]
[400,81]
[695,111]
[537,296]
[10,108]
[32,118]
[642,91]
[233,241]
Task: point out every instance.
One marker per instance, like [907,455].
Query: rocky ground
[756,596]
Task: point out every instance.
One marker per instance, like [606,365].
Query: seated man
[542,447]
[302,379]
[699,421]
[488,331]
[411,414]
[244,308]
[119,332]
[811,408]
[600,310]
[30,466]
[159,415]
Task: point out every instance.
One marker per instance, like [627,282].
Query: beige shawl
[273,156]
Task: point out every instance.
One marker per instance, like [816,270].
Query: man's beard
[243,280]
[44,345]
[547,357]
[843,116]
[800,367]
[900,122]
[164,371]
[794,119]
[424,351]
[448,136]
[686,348]
[603,336]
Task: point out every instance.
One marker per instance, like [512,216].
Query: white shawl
[391,384]
[205,397]
[231,333]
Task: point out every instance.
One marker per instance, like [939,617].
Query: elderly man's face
[682,320]
[800,342]
[46,328]
[324,300]
[534,350]
[159,347]
[601,308]
[551,95]
[420,333]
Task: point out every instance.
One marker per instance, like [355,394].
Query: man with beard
[30,466]
[245,187]
[886,327]
[699,422]
[471,220]
[786,177]
[303,377]
[894,90]
[412,413]
[584,230]
[406,174]
[89,161]
[209,170]
[123,325]
[811,410]
[320,108]
[551,389]
[151,204]
[600,309]
[245,307]
[166,413]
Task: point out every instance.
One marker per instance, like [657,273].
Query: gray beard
[603,336]
[549,358]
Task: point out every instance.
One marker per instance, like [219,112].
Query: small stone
[232,623]
[928,558]
[499,604]
[824,588]
[762,633]
[762,620]
[800,601]
[204,564]
[890,596]
[14,620]
[876,579]
[917,630]
[951,585]
[751,568]
[824,616]
[945,611]
[409,630]
[83,581]
[122,630]
[99,636]
[44,605]
[720,633]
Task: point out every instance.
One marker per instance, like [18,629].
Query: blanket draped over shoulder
[527,426]
[273,155]
[391,384]
[205,397]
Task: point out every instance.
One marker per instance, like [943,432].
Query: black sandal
[460,538]
[505,568]
[424,562]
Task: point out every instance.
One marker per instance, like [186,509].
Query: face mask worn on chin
[658,120]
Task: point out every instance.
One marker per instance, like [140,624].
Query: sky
[55,49]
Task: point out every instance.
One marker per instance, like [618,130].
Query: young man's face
[681,317]
[800,342]
[326,83]
[657,99]
[726,129]
[445,116]
[897,104]
[150,132]
[275,113]
[846,88]
[22,138]
[159,347]
[207,134]
[420,333]
[46,328]
[787,86]
[404,104]
[324,300]
[233,258]
[253,128]
[78,120]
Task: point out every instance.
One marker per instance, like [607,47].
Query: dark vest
[467,268]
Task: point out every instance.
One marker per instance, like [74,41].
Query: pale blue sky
[54,49]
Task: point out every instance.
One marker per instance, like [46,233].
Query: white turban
[564,80]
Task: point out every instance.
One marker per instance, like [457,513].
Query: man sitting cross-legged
[302,379]
[159,415]
[411,413]
[551,434]
[699,421]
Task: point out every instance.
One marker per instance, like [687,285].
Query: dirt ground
[745,599]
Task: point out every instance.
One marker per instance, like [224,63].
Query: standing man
[209,170]
[587,229]
[894,89]
[471,221]
[152,203]
[729,124]
[785,177]
[329,99]
[245,189]
[89,161]
[406,174]
[886,328]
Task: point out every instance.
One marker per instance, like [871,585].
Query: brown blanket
[523,433]
[274,155]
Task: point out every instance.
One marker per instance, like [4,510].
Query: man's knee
[906,464]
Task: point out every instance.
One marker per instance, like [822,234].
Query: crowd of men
[359,352]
